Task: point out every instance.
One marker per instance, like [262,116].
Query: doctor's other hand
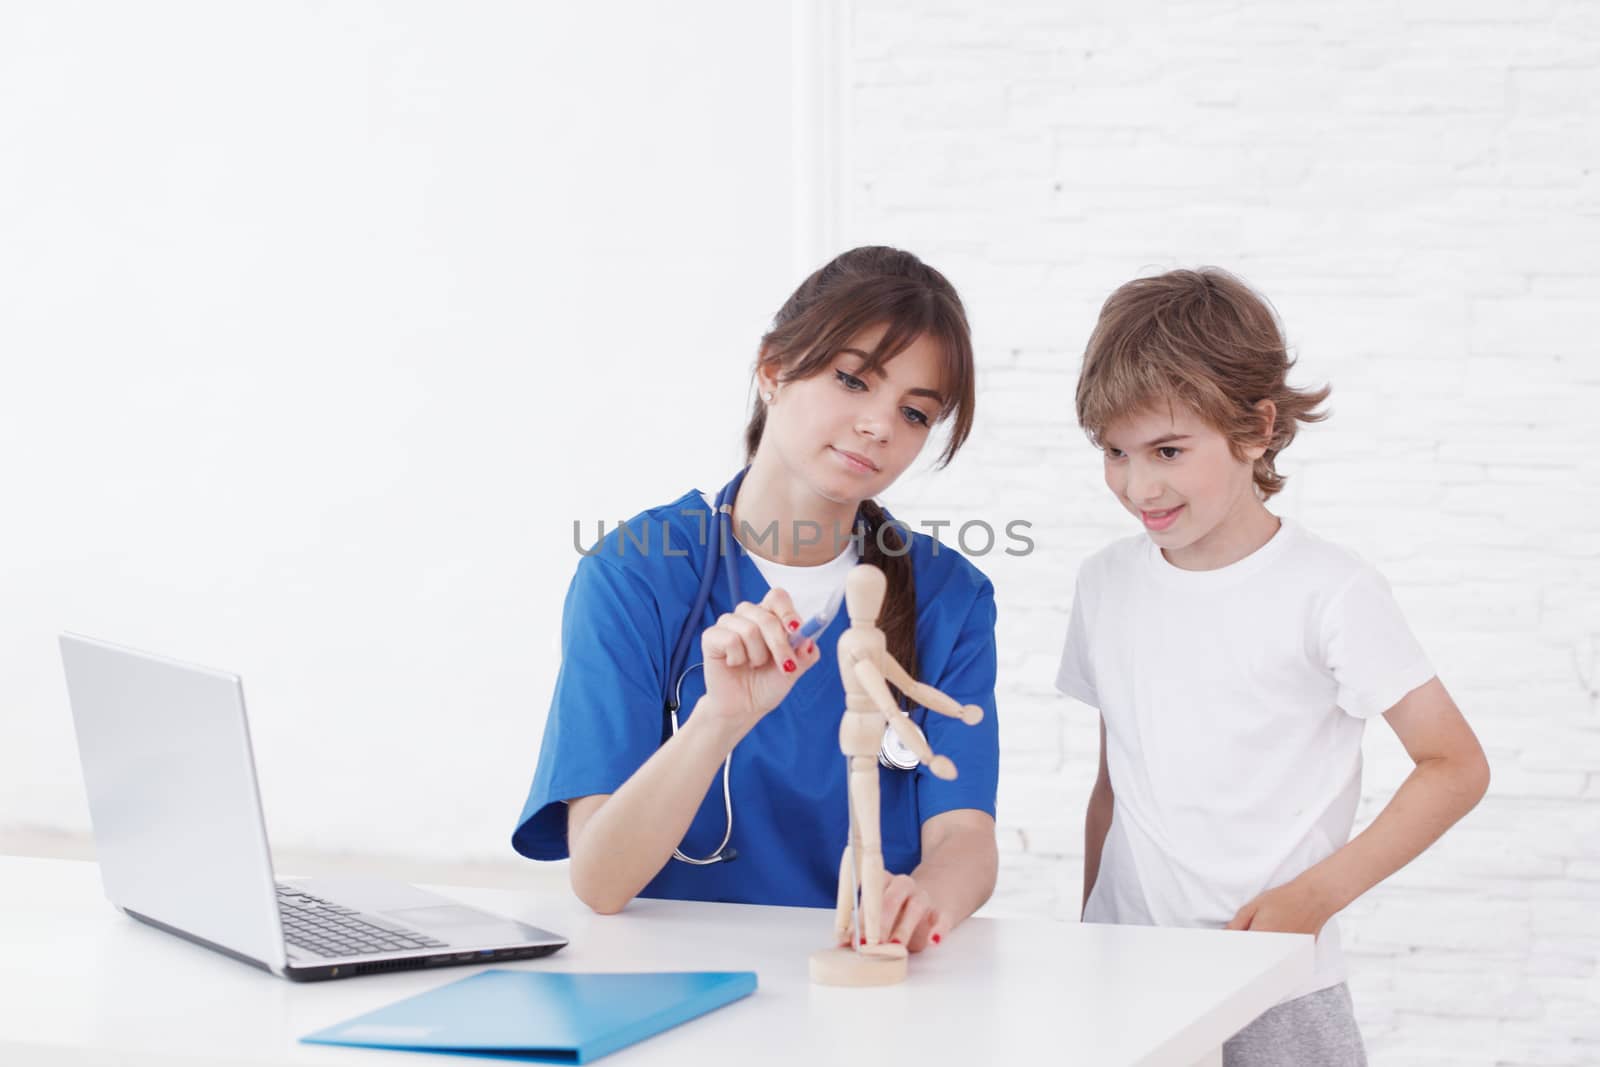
[749,665]
[908,916]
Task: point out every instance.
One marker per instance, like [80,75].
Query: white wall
[322,323]
[1417,188]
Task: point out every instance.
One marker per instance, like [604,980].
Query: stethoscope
[721,542]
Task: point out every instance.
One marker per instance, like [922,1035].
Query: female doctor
[695,754]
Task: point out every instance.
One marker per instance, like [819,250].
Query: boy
[1235,658]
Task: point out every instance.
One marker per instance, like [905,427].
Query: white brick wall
[1417,188]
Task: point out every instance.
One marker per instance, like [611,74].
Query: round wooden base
[845,967]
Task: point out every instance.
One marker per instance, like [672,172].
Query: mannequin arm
[878,690]
[928,696]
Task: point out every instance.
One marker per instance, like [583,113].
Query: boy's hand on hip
[1294,908]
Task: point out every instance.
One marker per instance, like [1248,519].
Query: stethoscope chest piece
[894,754]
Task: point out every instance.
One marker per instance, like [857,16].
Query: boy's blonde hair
[1203,338]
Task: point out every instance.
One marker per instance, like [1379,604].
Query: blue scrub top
[624,610]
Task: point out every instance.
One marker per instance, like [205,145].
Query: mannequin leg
[844,914]
[869,853]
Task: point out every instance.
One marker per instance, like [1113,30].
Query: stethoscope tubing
[719,535]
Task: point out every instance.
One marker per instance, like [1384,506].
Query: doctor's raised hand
[749,664]
[691,751]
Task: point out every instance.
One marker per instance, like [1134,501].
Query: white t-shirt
[810,588]
[1234,701]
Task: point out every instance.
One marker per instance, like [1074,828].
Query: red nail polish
[811,646]
[937,939]
[794,624]
[894,941]
[788,666]
[863,940]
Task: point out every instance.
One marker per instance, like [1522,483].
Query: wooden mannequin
[867,670]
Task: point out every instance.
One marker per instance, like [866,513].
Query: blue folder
[541,1016]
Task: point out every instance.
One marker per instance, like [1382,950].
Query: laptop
[183,846]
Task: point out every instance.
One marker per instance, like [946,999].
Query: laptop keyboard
[323,928]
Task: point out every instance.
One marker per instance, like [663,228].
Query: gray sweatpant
[1316,1030]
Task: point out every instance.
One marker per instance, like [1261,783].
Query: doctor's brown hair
[857,290]
[1201,338]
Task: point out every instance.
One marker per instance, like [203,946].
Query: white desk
[82,983]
